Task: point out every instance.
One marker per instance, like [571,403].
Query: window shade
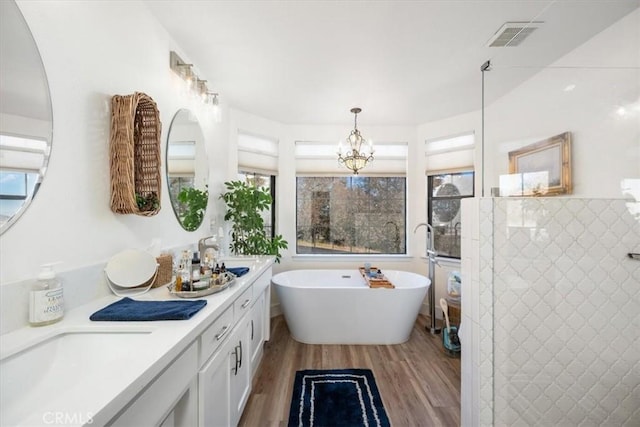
[322,158]
[453,153]
[257,153]
[22,154]
[181,156]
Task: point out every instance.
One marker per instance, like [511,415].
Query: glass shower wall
[561,146]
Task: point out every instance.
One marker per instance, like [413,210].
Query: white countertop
[98,398]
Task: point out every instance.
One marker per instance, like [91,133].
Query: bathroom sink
[36,375]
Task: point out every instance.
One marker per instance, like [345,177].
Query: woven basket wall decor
[135,155]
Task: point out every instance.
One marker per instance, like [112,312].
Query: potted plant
[244,205]
[193,206]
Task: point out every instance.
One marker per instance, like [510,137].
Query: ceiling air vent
[512,34]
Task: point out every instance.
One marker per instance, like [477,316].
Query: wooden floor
[418,382]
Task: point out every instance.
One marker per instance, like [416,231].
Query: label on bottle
[46,305]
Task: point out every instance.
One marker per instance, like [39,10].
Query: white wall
[606,144]
[92,51]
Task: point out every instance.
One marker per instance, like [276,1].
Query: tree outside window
[351,215]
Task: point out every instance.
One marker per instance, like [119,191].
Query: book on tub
[375,281]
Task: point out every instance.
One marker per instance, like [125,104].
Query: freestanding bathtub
[338,307]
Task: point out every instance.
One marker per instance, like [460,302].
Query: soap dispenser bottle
[46,303]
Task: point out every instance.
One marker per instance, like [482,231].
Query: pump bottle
[46,303]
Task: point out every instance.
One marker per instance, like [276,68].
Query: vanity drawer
[243,303]
[213,336]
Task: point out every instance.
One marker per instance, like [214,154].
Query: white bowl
[131,268]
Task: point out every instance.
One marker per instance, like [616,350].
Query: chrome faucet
[203,245]
[431,253]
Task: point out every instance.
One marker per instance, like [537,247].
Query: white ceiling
[402,62]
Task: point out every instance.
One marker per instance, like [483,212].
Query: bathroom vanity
[188,372]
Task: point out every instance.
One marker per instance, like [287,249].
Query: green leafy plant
[147,202]
[194,202]
[244,204]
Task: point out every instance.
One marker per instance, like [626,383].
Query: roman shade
[257,154]
[313,158]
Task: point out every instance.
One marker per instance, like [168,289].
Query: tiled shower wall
[565,323]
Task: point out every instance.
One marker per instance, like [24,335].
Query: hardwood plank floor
[418,382]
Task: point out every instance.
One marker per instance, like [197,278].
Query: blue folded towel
[128,309]
[238,271]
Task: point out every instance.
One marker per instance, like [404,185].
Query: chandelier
[355,159]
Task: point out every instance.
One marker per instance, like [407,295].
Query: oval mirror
[25,116]
[187,170]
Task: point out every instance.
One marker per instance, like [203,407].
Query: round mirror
[25,116]
[187,170]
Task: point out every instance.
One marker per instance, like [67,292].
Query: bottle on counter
[195,264]
[205,272]
[178,287]
[215,275]
[46,302]
[186,280]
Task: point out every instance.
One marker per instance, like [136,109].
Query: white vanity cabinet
[240,386]
[224,382]
[214,384]
[231,349]
[257,322]
[170,400]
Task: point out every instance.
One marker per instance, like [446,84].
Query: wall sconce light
[197,87]
[213,101]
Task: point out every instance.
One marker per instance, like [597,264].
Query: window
[268,182]
[258,166]
[351,215]
[176,184]
[181,171]
[21,160]
[449,179]
[445,192]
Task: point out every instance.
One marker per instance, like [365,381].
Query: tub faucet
[430,236]
[431,253]
[203,245]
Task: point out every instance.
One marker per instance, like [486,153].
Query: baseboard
[425,311]
[276,310]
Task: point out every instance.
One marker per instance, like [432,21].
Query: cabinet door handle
[222,332]
[251,329]
[246,303]
[240,347]
[235,353]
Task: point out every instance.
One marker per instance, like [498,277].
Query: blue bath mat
[342,397]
